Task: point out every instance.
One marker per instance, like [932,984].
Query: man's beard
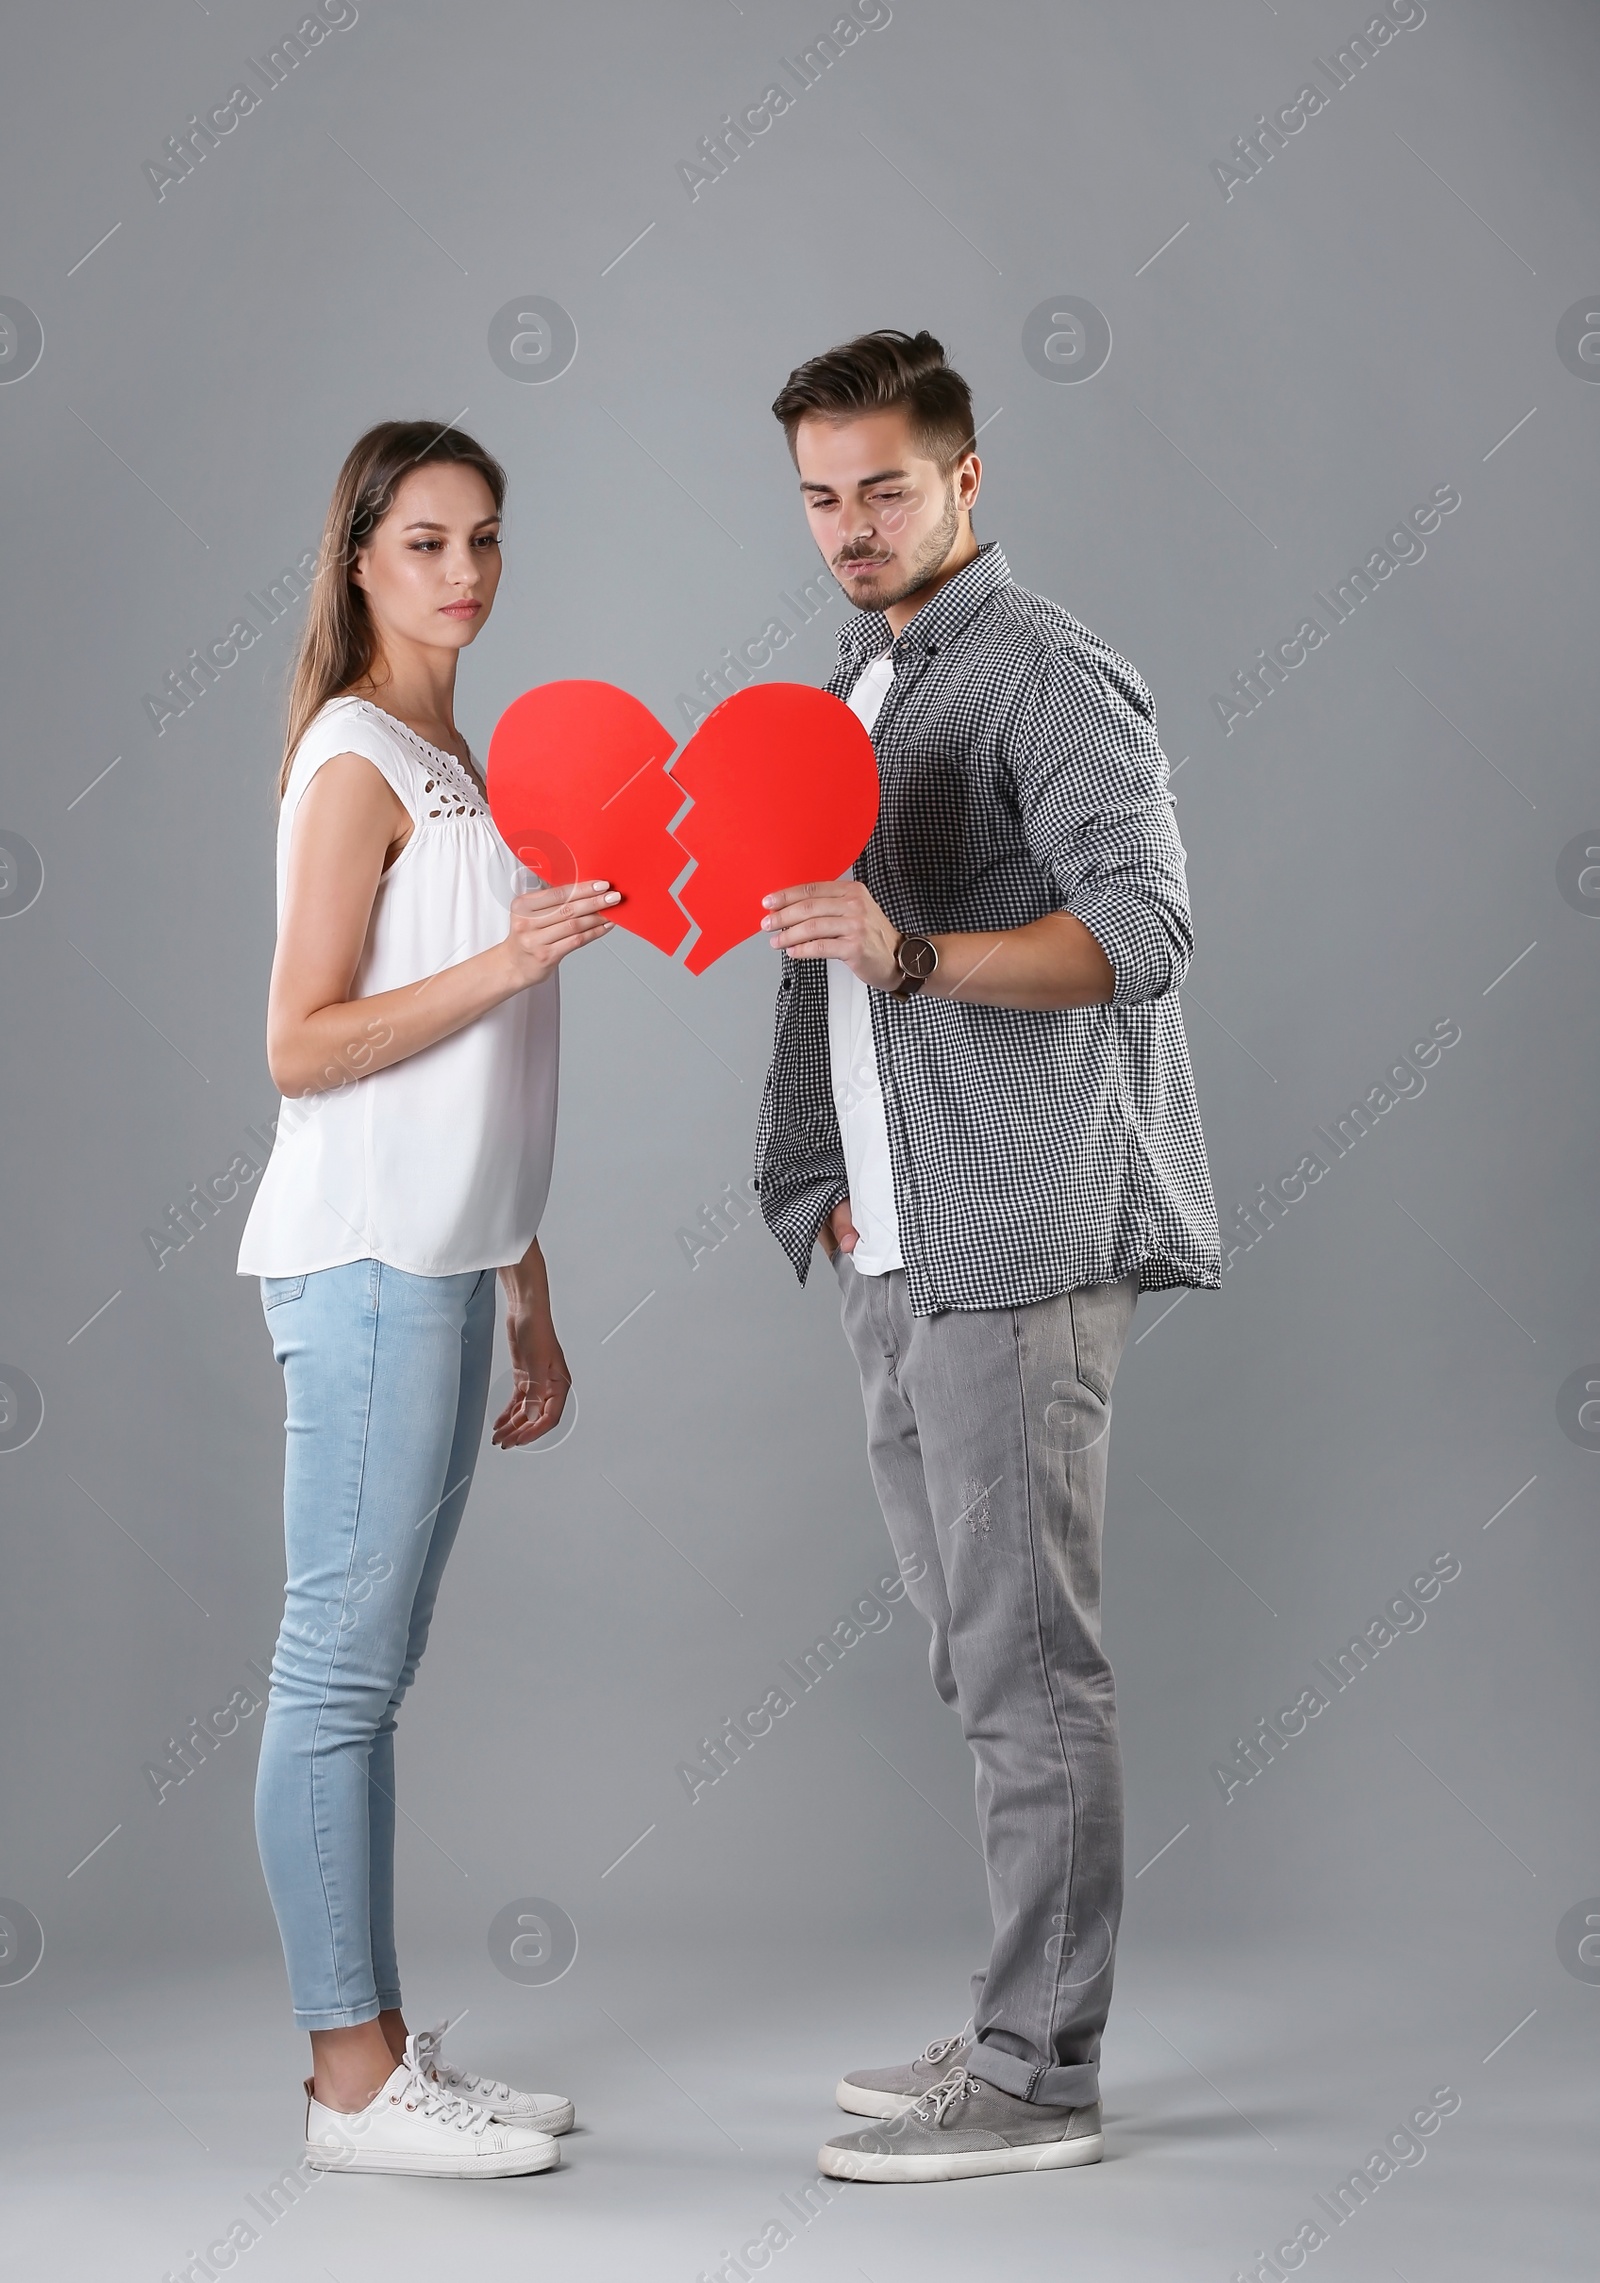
[923,565]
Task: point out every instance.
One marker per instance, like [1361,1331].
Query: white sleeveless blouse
[441,1162]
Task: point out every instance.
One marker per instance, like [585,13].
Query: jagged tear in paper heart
[785,789]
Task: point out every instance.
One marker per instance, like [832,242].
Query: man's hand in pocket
[838,1232]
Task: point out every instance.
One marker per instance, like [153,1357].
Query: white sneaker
[546,2112]
[414,2125]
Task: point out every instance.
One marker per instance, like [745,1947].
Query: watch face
[918,957]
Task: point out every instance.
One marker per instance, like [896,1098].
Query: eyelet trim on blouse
[453,787]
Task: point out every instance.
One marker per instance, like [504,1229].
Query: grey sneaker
[885,2092]
[962,2128]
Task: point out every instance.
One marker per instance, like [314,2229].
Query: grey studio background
[1207,397]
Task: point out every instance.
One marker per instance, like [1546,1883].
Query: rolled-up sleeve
[1092,788]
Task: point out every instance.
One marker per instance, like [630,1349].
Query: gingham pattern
[1031,1151]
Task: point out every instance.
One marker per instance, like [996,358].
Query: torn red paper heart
[578,790]
[784,785]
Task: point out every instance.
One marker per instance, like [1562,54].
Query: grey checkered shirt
[1031,1150]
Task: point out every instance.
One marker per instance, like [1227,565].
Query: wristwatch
[916,959]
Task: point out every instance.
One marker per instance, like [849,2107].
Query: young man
[981,1106]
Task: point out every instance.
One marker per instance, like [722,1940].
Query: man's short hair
[875,372]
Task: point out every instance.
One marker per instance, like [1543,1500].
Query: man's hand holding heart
[835,919]
[1049,962]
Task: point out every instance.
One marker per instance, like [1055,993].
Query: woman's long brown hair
[338,644]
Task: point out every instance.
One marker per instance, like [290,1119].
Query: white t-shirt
[853,1063]
[441,1162]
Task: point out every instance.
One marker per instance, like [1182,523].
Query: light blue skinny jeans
[387,1377]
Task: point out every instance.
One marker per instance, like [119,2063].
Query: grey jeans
[987,1433]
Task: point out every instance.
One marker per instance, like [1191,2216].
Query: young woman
[412,1029]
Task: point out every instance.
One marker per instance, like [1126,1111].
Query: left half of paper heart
[578,791]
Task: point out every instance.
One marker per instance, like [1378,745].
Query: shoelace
[940,2050]
[428,2042]
[484,2091]
[440,2106]
[936,2103]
